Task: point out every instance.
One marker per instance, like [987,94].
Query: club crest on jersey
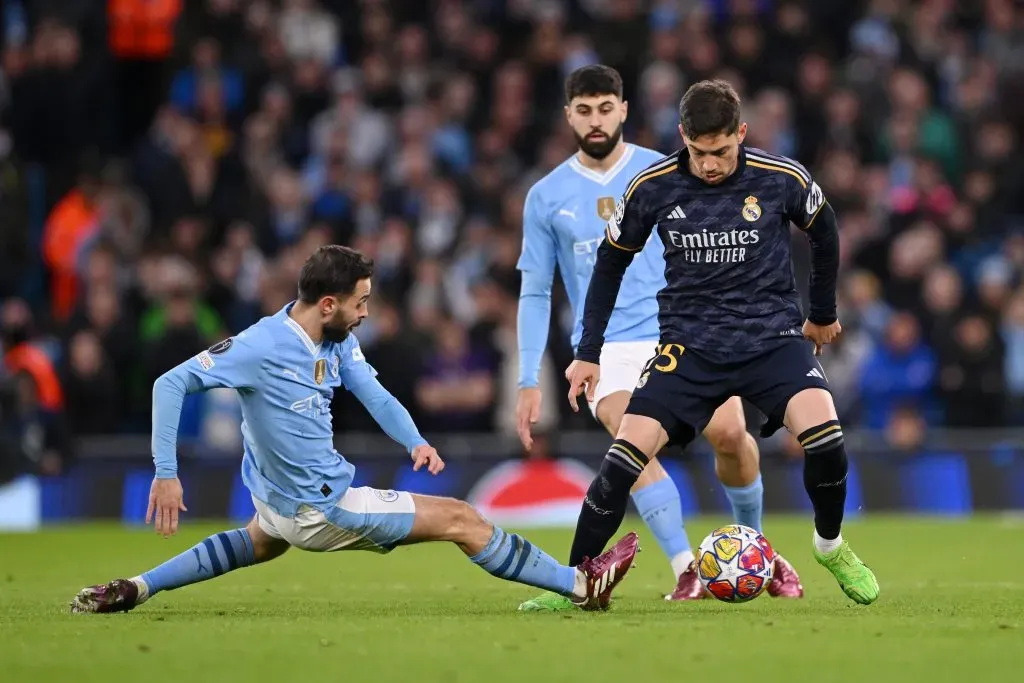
[751,210]
[643,380]
[606,207]
[319,370]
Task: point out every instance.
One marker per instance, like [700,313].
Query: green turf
[951,609]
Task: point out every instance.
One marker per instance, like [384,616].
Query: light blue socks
[512,557]
[660,507]
[211,557]
[747,503]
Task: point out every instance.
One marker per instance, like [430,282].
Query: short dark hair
[593,80]
[332,270]
[709,108]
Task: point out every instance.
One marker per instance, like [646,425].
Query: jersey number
[668,357]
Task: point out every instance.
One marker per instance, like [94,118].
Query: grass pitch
[951,609]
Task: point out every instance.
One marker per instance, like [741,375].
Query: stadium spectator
[229,138]
[14,461]
[905,431]
[178,324]
[24,357]
[456,390]
[16,256]
[970,376]
[90,386]
[39,403]
[899,373]
[141,39]
[70,227]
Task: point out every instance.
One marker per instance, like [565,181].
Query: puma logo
[199,561]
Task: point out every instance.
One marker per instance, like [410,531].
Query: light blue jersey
[564,222]
[285,383]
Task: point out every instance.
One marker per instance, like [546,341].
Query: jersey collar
[290,323]
[607,176]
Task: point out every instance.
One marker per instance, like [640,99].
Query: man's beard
[337,333]
[599,149]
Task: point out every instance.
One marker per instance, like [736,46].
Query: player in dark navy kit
[730,318]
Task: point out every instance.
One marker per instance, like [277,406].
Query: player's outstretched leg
[811,416]
[510,556]
[656,499]
[216,555]
[737,464]
[605,504]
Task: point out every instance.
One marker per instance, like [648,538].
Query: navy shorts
[682,390]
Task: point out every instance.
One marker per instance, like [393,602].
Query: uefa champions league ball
[735,563]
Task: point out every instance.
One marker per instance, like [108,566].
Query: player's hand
[527,413]
[165,500]
[426,455]
[821,334]
[583,377]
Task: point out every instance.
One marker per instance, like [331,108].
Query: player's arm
[537,265]
[811,212]
[233,363]
[625,235]
[360,378]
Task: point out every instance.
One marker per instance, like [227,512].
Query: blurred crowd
[167,165]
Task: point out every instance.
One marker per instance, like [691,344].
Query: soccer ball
[735,563]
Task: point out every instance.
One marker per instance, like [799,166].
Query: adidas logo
[815,372]
[677,213]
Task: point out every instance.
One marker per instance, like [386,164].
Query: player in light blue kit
[285,369]
[564,222]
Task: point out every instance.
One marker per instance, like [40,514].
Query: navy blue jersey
[730,291]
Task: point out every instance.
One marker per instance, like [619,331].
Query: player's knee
[729,438]
[264,546]
[610,410]
[646,435]
[463,521]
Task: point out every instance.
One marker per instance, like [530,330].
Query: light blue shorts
[364,519]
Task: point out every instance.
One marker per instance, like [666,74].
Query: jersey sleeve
[807,207]
[353,367]
[540,249]
[360,378]
[630,226]
[804,198]
[537,264]
[233,363]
